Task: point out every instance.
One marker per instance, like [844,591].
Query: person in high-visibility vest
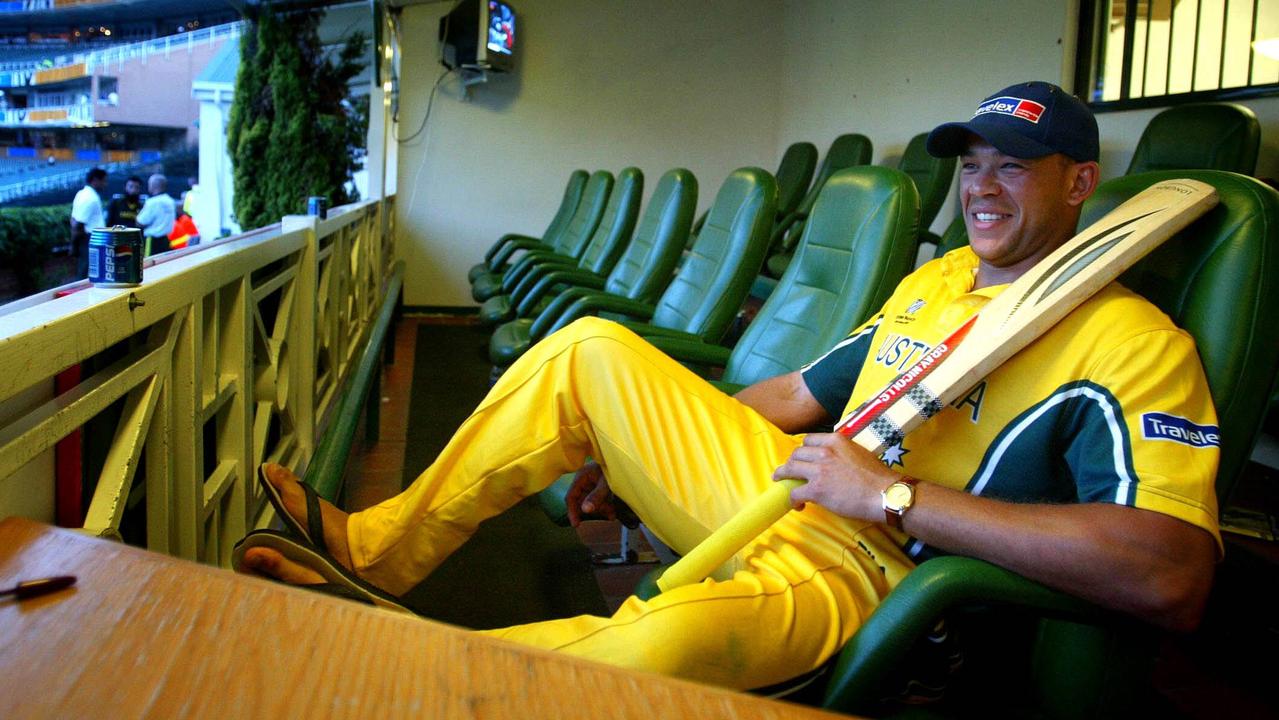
[184,232]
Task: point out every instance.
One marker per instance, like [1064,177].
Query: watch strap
[894,517]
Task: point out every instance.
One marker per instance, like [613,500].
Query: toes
[278,475]
[271,563]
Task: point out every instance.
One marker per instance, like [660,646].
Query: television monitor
[479,34]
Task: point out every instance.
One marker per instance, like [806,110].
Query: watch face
[897,496]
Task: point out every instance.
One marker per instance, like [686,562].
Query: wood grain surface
[145,635]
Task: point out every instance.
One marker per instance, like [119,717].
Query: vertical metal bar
[1225,25]
[233,323]
[1130,26]
[1252,38]
[1145,58]
[1194,56]
[186,435]
[1172,20]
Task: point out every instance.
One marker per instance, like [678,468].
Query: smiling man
[1045,467]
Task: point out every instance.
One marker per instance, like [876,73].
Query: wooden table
[145,635]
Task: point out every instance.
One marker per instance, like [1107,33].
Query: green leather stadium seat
[642,274]
[1205,136]
[848,150]
[601,253]
[856,247]
[1218,279]
[568,204]
[794,173]
[705,294]
[647,265]
[570,243]
[932,177]
[955,236]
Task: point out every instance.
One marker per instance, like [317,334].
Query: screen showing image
[501,37]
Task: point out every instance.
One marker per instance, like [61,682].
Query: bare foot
[286,484]
[268,562]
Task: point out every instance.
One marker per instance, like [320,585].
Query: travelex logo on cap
[1017,107]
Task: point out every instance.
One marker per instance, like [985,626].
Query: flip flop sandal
[340,581]
[313,533]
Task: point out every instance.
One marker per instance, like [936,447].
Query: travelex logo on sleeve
[1161,426]
[1017,107]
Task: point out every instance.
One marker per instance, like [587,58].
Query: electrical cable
[430,101]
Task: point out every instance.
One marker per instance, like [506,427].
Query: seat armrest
[648,330]
[509,248]
[525,264]
[913,608]
[547,281]
[593,303]
[728,388]
[503,242]
[689,351]
[778,240]
[535,271]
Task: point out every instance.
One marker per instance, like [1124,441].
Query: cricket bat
[1010,321]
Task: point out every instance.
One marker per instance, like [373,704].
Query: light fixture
[1268,47]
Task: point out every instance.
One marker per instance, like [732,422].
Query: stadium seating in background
[846,151]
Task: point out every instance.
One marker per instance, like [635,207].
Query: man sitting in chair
[1044,468]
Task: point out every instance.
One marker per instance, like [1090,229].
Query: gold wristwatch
[898,498]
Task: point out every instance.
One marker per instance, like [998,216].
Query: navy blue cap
[1027,120]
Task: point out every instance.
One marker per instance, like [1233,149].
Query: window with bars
[1144,53]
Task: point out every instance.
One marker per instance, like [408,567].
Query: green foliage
[293,132]
[27,239]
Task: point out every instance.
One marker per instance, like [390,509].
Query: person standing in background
[123,210]
[86,215]
[157,215]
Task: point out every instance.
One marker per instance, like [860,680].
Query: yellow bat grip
[732,536]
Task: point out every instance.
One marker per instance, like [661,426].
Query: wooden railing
[225,357]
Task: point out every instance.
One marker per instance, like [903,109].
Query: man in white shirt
[86,215]
[157,215]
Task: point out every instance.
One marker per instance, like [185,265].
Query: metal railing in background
[59,181]
[119,54]
[227,356]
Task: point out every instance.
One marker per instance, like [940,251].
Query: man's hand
[589,494]
[841,476]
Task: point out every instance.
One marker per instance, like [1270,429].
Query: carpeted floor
[519,567]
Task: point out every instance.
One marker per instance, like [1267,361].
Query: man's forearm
[1138,561]
[784,401]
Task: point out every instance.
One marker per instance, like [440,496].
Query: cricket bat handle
[722,544]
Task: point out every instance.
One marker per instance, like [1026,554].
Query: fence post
[302,333]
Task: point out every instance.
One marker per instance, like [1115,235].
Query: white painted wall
[891,70]
[709,85]
[599,84]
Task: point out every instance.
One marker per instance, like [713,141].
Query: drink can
[317,205]
[115,256]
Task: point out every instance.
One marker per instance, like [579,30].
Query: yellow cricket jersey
[1110,405]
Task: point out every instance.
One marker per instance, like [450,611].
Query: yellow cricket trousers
[685,457]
